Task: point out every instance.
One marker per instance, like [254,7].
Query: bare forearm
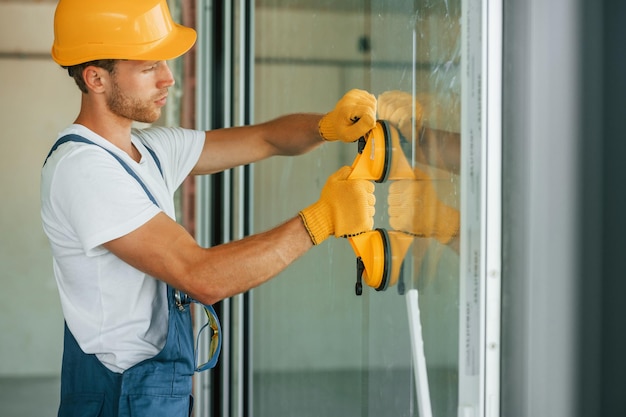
[226,148]
[163,249]
[232,268]
[282,132]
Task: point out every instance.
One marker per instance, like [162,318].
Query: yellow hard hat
[87,30]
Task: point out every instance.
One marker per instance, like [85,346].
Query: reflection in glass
[319,349]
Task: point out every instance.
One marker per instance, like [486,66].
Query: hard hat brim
[175,44]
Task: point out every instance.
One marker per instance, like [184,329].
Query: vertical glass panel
[319,349]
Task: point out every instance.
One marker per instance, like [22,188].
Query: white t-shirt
[113,310]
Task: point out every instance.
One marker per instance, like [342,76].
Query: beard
[131,107]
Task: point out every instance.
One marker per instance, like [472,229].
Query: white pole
[419,360]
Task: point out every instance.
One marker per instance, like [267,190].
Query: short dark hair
[76,71]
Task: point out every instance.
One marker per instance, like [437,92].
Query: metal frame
[492,215]
[545,49]
[224,209]
[481,215]
[205,384]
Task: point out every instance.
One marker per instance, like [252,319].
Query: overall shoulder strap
[155,157]
[78,138]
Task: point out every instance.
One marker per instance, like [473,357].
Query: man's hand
[345,208]
[415,208]
[353,116]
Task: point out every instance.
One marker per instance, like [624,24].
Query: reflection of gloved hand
[414,208]
[353,116]
[397,108]
[345,208]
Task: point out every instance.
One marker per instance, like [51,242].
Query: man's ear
[94,78]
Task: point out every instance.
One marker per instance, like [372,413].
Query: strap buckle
[181,299]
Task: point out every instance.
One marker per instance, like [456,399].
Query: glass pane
[319,349]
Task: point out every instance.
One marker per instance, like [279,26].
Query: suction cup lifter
[380,156]
[380,253]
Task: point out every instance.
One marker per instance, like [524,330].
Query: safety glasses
[214,338]
[210,350]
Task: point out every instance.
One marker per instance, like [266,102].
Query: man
[122,264]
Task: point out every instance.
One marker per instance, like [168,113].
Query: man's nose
[166,78]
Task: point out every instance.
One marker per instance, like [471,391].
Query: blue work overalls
[158,386]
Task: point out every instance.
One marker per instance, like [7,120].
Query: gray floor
[333,394]
[337,393]
[330,394]
[29,397]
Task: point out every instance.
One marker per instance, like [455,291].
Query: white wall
[38,99]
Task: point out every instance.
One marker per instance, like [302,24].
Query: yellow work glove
[353,116]
[345,208]
[415,208]
[397,107]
